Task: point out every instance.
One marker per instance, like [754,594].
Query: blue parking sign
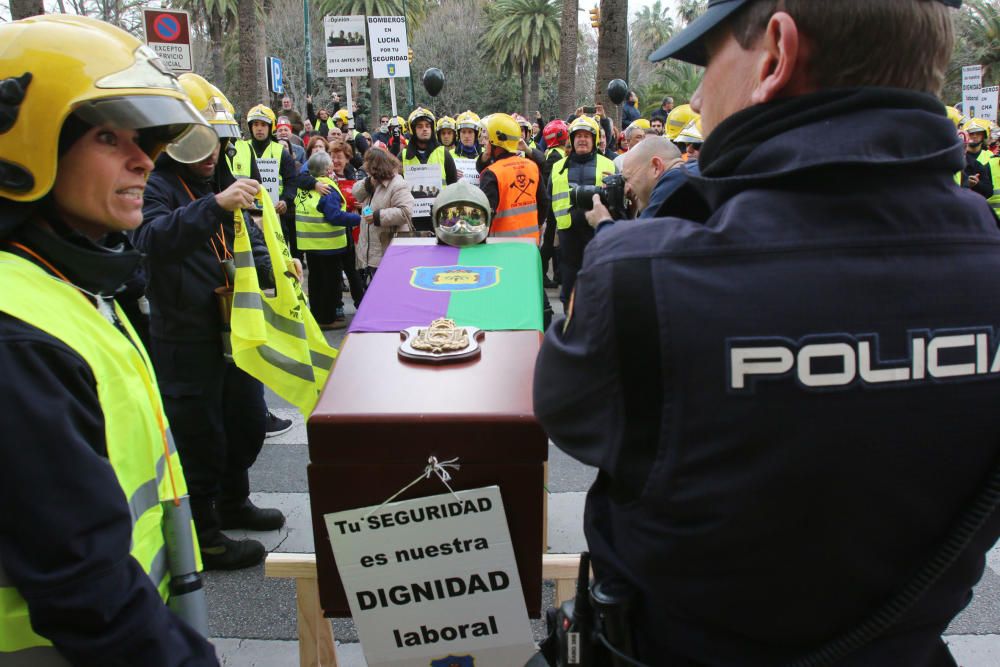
[275,75]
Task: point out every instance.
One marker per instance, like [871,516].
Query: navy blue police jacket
[790,387]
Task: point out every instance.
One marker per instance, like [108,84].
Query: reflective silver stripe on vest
[36,656]
[517,210]
[283,324]
[561,195]
[243,260]
[158,567]
[302,217]
[321,360]
[161,463]
[145,497]
[336,233]
[287,364]
[523,231]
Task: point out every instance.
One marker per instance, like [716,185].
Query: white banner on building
[387,38]
[972,81]
[988,102]
[425,184]
[345,46]
[433,581]
[468,168]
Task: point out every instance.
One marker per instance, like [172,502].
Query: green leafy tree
[523,38]
[651,27]
[689,10]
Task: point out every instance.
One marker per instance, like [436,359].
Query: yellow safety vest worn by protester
[436,157]
[240,163]
[994,199]
[561,186]
[140,449]
[312,231]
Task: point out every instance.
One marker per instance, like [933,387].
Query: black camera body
[612,196]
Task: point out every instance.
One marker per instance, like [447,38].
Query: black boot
[224,553]
[250,517]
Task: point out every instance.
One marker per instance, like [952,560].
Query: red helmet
[556,133]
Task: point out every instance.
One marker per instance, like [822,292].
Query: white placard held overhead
[433,581]
[425,184]
[387,41]
[972,81]
[468,168]
[269,170]
[345,46]
[988,103]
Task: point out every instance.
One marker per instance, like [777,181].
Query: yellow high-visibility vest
[140,448]
[312,231]
[436,157]
[276,339]
[561,186]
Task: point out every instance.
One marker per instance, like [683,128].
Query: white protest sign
[972,81]
[425,184]
[433,579]
[387,38]
[988,103]
[468,168]
[268,168]
[345,46]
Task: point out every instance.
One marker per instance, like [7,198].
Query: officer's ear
[782,59]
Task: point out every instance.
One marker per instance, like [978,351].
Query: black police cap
[689,44]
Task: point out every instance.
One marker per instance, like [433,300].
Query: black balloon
[433,79]
[617,90]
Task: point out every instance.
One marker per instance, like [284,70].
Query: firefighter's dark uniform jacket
[182,269]
[766,477]
[65,531]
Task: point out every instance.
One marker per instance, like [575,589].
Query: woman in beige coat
[388,195]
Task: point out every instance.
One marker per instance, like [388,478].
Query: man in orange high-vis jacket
[512,183]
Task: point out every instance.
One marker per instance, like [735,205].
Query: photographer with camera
[651,163]
[583,166]
[798,451]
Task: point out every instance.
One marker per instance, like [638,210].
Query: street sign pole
[407,24]
[350,102]
[308,46]
[392,95]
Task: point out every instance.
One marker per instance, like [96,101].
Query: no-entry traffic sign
[168,34]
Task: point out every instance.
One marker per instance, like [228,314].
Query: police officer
[424,149]
[786,386]
[583,166]
[217,410]
[88,475]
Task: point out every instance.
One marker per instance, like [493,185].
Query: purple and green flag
[495,287]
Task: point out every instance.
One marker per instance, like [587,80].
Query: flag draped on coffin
[275,339]
[495,287]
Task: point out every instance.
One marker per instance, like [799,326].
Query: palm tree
[250,88]
[674,78]
[650,29]
[523,37]
[416,11]
[569,28]
[612,47]
[689,10]
[979,33]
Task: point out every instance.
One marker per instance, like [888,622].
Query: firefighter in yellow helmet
[981,168]
[445,128]
[217,411]
[514,186]
[424,149]
[468,136]
[678,119]
[95,534]
[582,166]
